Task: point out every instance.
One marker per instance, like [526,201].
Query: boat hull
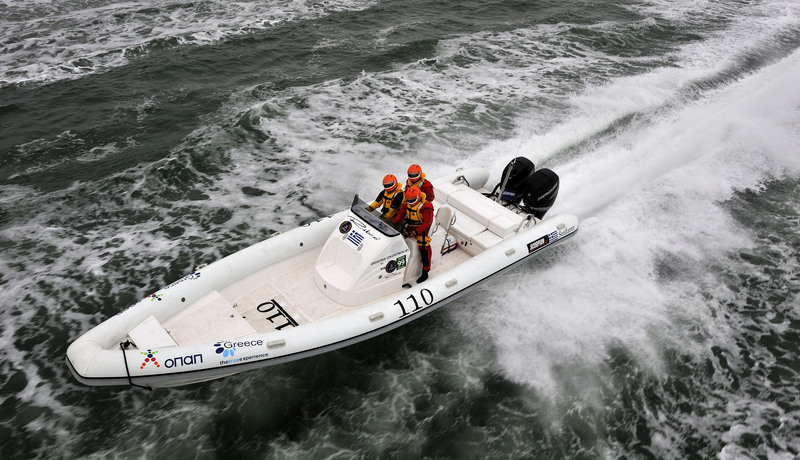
[99,358]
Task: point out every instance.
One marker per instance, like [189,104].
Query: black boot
[425,252]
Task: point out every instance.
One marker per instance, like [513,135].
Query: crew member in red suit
[416,178]
[417,214]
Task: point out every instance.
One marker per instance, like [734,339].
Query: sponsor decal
[400,262]
[189,277]
[567,231]
[365,228]
[228,348]
[225,351]
[552,189]
[379,261]
[540,243]
[396,264]
[243,359]
[150,357]
[355,238]
[345,227]
[181,361]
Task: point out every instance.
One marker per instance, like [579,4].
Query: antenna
[505,180]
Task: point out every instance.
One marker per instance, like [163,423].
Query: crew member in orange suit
[390,199]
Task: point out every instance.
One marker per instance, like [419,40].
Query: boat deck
[285,294]
[280,296]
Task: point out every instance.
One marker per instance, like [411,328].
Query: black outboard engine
[541,190]
[532,191]
[513,180]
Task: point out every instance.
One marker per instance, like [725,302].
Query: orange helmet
[389,182]
[413,195]
[414,172]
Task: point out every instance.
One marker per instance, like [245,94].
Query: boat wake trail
[651,198]
[734,139]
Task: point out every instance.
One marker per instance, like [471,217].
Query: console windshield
[359,208]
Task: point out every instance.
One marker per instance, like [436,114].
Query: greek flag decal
[553,236]
[355,238]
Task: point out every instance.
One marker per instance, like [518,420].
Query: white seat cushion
[474,204]
[465,227]
[474,214]
[443,191]
[504,225]
[469,202]
[486,239]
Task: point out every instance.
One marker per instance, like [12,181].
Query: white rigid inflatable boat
[323,286]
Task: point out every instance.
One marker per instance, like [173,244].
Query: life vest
[420,180]
[425,186]
[414,214]
[385,201]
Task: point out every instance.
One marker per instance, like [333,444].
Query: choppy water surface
[138,141]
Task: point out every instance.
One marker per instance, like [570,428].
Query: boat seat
[466,227]
[478,223]
[492,215]
[445,217]
[443,191]
[466,230]
[486,239]
[478,242]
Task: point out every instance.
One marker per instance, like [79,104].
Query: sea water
[138,141]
